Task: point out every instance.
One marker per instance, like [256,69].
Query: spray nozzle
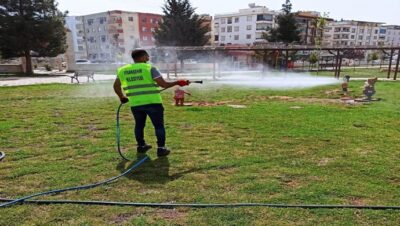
[200,82]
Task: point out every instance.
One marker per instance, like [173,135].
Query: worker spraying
[138,84]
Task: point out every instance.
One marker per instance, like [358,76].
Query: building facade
[245,27]
[351,33]
[148,23]
[389,35]
[111,36]
[78,47]
[307,24]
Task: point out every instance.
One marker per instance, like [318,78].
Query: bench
[77,74]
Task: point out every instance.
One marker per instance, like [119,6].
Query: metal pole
[336,64]
[390,63]
[340,67]
[214,63]
[397,65]
[287,59]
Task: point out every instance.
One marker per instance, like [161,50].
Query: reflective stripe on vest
[138,84]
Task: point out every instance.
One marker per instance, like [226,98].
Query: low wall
[186,67]
[159,66]
[11,68]
[95,67]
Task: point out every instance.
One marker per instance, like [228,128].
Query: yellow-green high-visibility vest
[138,84]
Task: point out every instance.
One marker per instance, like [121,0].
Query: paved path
[47,79]
[62,77]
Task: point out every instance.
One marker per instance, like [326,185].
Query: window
[361,30]
[216,38]
[130,18]
[236,37]
[264,17]
[236,28]
[102,20]
[103,38]
[352,37]
[144,20]
[152,29]
[337,29]
[223,20]
[144,29]
[346,29]
[229,20]
[248,27]
[236,19]
[222,38]
[144,38]
[360,37]
[90,21]
[229,29]
[264,27]
[223,29]
[345,36]
[249,18]
[353,30]
[248,36]
[80,48]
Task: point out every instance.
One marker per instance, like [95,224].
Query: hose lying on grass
[23,199]
[200,205]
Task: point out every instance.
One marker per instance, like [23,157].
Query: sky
[386,11]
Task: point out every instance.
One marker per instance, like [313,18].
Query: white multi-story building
[389,35]
[75,25]
[351,33]
[245,27]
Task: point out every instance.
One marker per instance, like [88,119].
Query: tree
[180,26]
[28,26]
[287,30]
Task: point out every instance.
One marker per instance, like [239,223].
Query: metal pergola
[336,51]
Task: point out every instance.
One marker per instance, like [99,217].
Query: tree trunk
[28,69]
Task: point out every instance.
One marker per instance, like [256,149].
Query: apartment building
[351,33]
[78,48]
[111,36]
[208,22]
[245,27]
[389,35]
[148,23]
[307,23]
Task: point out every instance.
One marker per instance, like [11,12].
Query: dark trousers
[156,114]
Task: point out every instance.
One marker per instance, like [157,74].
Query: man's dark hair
[136,54]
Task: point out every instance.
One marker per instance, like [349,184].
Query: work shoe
[162,152]
[144,148]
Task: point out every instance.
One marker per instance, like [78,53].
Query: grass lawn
[307,149]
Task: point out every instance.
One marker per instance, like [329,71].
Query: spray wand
[188,82]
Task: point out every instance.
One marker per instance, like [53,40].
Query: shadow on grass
[152,171]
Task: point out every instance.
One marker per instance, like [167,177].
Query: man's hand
[124,100]
[183,82]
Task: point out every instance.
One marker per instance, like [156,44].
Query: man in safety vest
[140,83]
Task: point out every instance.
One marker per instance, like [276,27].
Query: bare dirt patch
[311,100]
